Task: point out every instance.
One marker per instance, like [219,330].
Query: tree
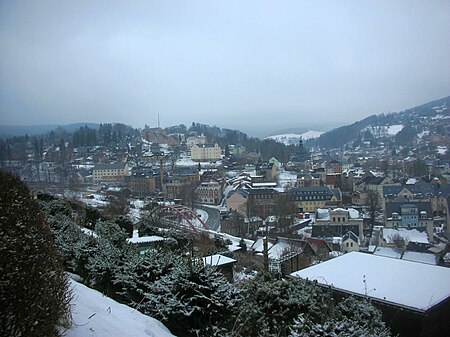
[192,300]
[352,318]
[373,199]
[272,304]
[34,292]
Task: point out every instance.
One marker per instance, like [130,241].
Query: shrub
[34,295]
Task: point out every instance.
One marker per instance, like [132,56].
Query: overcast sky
[242,64]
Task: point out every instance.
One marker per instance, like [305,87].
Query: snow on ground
[384,279]
[287,178]
[88,231]
[96,315]
[442,149]
[143,239]
[392,130]
[188,162]
[409,235]
[234,241]
[135,211]
[293,138]
[202,214]
[95,200]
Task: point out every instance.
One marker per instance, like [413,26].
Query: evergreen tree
[193,300]
[34,291]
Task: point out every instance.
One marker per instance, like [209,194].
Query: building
[206,152]
[414,297]
[350,242]
[223,264]
[309,199]
[109,172]
[143,180]
[337,222]
[209,192]
[308,180]
[195,140]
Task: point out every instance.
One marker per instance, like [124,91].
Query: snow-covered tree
[271,304]
[34,293]
[192,300]
[352,318]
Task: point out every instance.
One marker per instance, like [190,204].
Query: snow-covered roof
[143,239]
[258,246]
[384,279]
[217,260]
[409,235]
[420,257]
[388,252]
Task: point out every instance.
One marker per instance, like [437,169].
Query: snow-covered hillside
[293,138]
[96,315]
[384,130]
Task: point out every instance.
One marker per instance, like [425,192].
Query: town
[287,209]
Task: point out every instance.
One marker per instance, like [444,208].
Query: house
[237,201]
[240,226]
[309,199]
[414,297]
[224,265]
[195,140]
[409,214]
[308,180]
[206,152]
[334,166]
[350,242]
[337,222]
[158,135]
[109,172]
[287,255]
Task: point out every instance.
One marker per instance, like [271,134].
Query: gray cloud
[230,63]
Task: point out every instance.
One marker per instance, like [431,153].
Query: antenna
[158,121]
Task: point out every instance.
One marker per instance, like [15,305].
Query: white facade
[195,140]
[109,172]
[206,152]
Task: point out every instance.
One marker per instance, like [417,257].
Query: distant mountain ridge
[346,134]
[22,130]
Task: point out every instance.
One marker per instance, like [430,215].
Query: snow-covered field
[96,315]
[293,138]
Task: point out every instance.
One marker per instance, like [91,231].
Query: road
[213,221]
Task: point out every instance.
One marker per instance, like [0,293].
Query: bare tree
[373,199]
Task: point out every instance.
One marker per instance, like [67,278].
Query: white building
[195,140]
[206,152]
[109,172]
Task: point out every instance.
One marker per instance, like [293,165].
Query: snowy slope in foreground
[293,138]
[96,315]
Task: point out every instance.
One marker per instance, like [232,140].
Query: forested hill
[349,133]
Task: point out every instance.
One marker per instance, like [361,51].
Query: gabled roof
[350,235]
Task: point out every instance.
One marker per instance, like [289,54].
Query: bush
[34,296]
